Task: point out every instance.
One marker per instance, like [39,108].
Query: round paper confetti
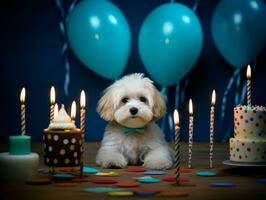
[154,172]
[135,170]
[90,170]
[67,169]
[174,194]
[206,174]
[104,181]
[107,174]
[149,180]
[145,190]
[173,179]
[222,184]
[39,181]
[121,193]
[66,184]
[101,189]
[63,176]
[128,184]
[80,180]
[185,170]
[145,193]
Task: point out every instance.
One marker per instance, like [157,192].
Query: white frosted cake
[249,142]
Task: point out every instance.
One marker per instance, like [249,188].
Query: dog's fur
[149,148]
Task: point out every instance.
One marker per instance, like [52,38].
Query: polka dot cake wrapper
[62,148]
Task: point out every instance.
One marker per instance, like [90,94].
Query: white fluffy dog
[131,105]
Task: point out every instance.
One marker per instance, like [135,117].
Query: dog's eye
[143,99]
[125,100]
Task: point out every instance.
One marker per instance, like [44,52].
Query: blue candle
[19,145]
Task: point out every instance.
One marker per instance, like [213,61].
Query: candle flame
[248,72]
[55,110]
[190,107]
[82,99]
[52,95]
[22,95]
[73,110]
[213,98]
[176,117]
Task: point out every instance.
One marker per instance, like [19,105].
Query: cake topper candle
[190,141]
[177,146]
[213,100]
[23,111]
[73,111]
[52,103]
[82,111]
[249,85]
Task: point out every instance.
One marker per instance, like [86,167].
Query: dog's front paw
[112,160]
[156,162]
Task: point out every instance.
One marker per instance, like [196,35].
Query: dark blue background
[30,46]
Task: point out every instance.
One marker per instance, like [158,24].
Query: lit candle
[82,127]
[82,111]
[73,111]
[213,100]
[190,140]
[23,111]
[56,110]
[249,85]
[177,146]
[52,103]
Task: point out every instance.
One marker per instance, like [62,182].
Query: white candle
[213,100]
[23,111]
[190,140]
[52,103]
[56,110]
[177,146]
[249,85]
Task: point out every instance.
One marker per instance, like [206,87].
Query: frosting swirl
[62,121]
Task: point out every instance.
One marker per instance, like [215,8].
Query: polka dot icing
[75,154]
[76,161]
[73,140]
[55,161]
[67,161]
[62,152]
[72,147]
[65,141]
[56,137]
[47,160]
[49,137]
[50,148]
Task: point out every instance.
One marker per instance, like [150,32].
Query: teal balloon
[239,30]
[170,42]
[99,36]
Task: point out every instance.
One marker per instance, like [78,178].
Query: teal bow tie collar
[128,131]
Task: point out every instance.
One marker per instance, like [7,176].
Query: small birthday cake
[249,142]
[62,142]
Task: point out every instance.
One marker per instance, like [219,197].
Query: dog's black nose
[133,110]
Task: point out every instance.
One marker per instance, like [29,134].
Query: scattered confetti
[206,174]
[67,169]
[67,184]
[154,172]
[121,193]
[173,179]
[63,176]
[90,170]
[107,174]
[39,181]
[101,189]
[222,184]
[149,180]
[128,184]
[185,170]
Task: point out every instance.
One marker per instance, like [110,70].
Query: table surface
[246,179]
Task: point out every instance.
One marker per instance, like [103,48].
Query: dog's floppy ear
[105,106]
[159,106]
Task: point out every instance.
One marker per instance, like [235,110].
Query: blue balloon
[170,42]
[100,37]
[239,30]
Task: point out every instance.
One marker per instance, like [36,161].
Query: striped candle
[190,140]
[212,127]
[52,102]
[248,85]
[177,146]
[82,127]
[23,111]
